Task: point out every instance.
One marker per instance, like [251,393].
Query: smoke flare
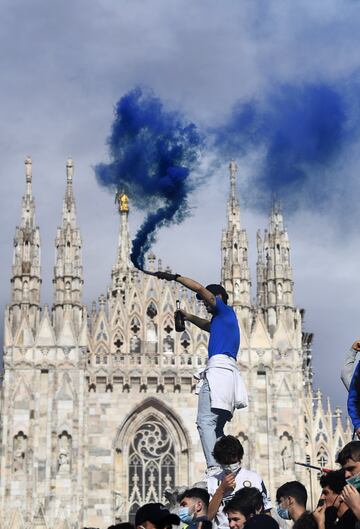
[300,128]
[152,153]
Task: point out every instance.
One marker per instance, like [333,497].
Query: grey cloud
[65,64]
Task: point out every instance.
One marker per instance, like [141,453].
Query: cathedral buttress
[26,280]
[235,274]
[68,270]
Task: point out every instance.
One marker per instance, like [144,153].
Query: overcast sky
[65,64]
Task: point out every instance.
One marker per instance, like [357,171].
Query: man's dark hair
[350,451]
[196,493]
[122,525]
[295,489]
[306,521]
[216,290]
[334,480]
[247,501]
[228,450]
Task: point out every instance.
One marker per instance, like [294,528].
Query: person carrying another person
[193,507]
[228,454]
[223,389]
[291,501]
[246,510]
[335,513]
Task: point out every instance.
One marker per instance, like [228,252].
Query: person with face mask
[291,505]
[246,510]
[228,453]
[336,513]
[193,507]
[222,387]
[349,459]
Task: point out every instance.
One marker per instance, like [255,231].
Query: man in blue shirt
[222,389]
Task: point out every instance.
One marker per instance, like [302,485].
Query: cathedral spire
[69,210]
[26,279]
[275,288]
[120,271]
[235,274]
[68,272]
[233,207]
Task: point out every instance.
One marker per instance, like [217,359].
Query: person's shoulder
[261,521]
[248,477]
[248,472]
[306,521]
[349,516]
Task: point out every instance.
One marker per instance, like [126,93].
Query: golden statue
[123,201]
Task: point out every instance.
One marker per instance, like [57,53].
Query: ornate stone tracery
[151,464]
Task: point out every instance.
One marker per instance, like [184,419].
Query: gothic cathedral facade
[98,408]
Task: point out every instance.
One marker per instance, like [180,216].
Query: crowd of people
[232,496]
[236,498]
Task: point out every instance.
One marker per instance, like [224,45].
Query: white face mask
[232,469]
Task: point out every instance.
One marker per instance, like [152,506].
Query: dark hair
[196,493]
[227,450]
[123,525]
[350,451]
[306,521]
[334,480]
[247,501]
[295,489]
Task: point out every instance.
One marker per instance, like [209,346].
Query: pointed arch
[101,333]
[22,391]
[322,456]
[168,305]
[151,453]
[66,390]
[152,309]
[16,520]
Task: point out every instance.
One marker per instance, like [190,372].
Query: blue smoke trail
[152,154]
[301,128]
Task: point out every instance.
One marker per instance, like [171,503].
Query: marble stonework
[98,408]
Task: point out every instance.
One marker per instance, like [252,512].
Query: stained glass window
[151,464]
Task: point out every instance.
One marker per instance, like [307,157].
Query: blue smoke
[152,153]
[301,129]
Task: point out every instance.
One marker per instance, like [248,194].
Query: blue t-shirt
[224,331]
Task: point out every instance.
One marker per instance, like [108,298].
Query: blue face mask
[354,481]
[184,515]
[283,513]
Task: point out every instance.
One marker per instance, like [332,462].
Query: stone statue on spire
[69,169]
[28,168]
[123,200]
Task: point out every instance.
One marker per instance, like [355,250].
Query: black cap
[155,513]
[216,290]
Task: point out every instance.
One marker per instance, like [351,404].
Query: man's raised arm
[191,284]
